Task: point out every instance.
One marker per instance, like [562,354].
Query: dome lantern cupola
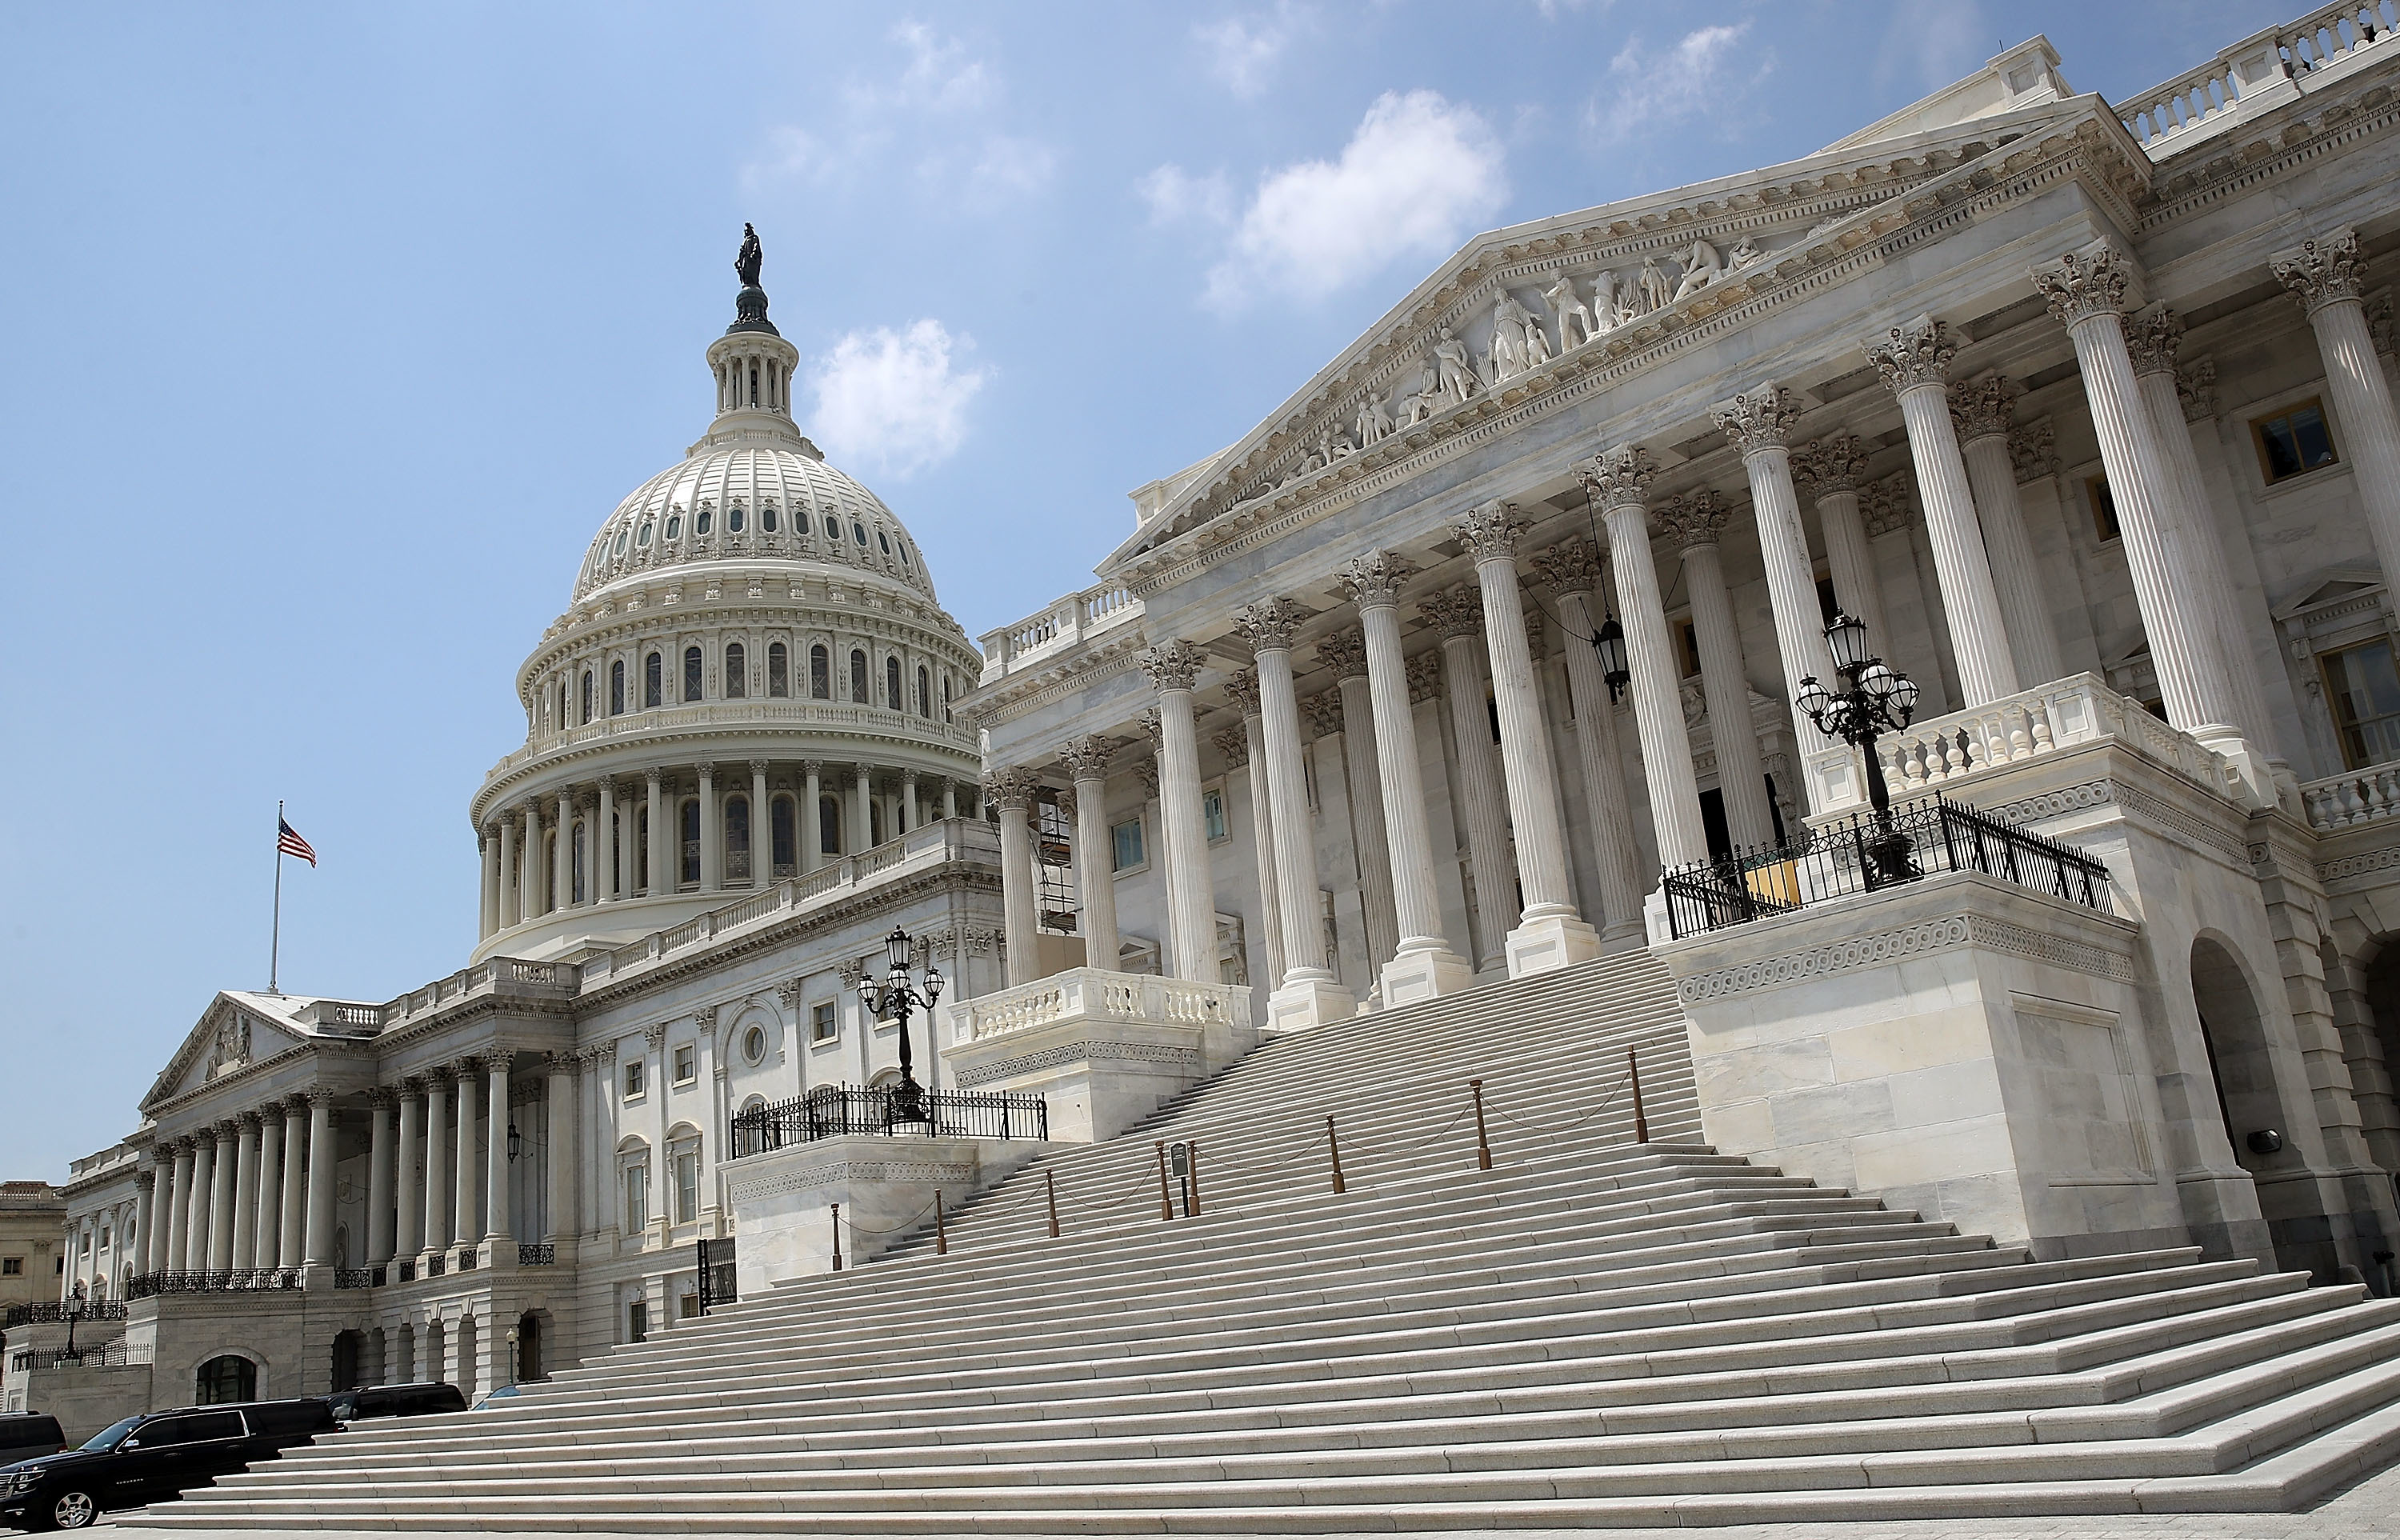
[753,365]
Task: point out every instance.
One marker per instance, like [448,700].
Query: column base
[1550,943]
[1412,976]
[498,1251]
[2256,787]
[1305,1003]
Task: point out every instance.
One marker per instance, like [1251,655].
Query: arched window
[828,826]
[924,691]
[691,674]
[858,677]
[642,848]
[733,517]
[591,694]
[226,1378]
[577,840]
[767,518]
[891,684]
[654,671]
[707,517]
[785,852]
[779,670]
[617,687]
[737,838]
[833,528]
[683,1171]
[819,672]
[736,671]
[691,840]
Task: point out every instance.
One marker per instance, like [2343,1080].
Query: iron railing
[358,1277]
[241,1280]
[1856,855]
[468,1259]
[54,1313]
[717,1282]
[115,1355]
[531,1255]
[831,1110]
[436,1264]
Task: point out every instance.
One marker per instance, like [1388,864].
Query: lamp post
[74,1313]
[894,995]
[1879,699]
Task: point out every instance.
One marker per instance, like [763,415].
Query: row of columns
[520,885]
[253,1191]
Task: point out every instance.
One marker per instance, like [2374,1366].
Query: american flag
[288,841]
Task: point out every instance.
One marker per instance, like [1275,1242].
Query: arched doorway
[347,1352]
[529,1348]
[2235,1035]
[225,1378]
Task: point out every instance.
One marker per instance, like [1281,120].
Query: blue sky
[329,335]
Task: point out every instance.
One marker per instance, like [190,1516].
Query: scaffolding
[1054,851]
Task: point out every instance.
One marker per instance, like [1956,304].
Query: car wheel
[74,1510]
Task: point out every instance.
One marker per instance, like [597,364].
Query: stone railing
[1943,750]
[845,717]
[2369,796]
[1097,994]
[1062,625]
[2255,73]
[506,975]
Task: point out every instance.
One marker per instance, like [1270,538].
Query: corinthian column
[1012,792]
[1759,425]
[1980,411]
[1421,964]
[511,897]
[292,1205]
[2324,273]
[1832,469]
[530,898]
[158,1238]
[1308,994]
[379,1172]
[1617,481]
[498,1228]
[1087,759]
[1695,521]
[200,1196]
[2086,290]
[317,1251]
[245,1195]
[1458,616]
[663,871]
[1915,361]
[408,1188]
[178,1230]
[469,1180]
[1243,685]
[605,845]
[437,1159]
[712,832]
[220,1196]
[1174,669]
[267,1245]
[1551,933]
[487,857]
[1345,653]
[1574,572]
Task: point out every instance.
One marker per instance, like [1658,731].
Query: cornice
[2265,153]
[1080,668]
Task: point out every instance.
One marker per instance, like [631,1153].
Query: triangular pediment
[2329,586]
[239,1029]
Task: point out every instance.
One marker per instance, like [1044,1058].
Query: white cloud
[940,73]
[1241,52]
[895,402]
[1646,90]
[1928,47]
[1176,195]
[1416,177]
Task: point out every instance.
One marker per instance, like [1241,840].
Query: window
[635,1071]
[733,516]
[687,1307]
[2104,509]
[828,826]
[820,674]
[686,1184]
[2294,442]
[779,670]
[783,836]
[691,674]
[924,691]
[833,528]
[858,533]
[737,838]
[687,1064]
[707,518]
[223,1378]
[617,687]
[884,540]
[2364,689]
[638,1194]
[891,684]
[1212,813]
[642,537]
[823,1026]
[638,1321]
[675,526]
[651,685]
[858,676]
[691,863]
[12,1267]
[591,694]
[753,1045]
[1127,838]
[767,518]
[737,672]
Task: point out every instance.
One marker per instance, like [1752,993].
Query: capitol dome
[753,678]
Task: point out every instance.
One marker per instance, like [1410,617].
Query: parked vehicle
[153,1457]
[413,1401]
[24,1435]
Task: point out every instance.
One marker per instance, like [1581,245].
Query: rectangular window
[691,674]
[1212,813]
[686,1065]
[634,1070]
[2293,442]
[638,1321]
[687,1186]
[2364,687]
[822,1025]
[637,1197]
[1687,637]
[1130,852]
[689,1307]
[12,1267]
[2104,509]
[650,680]
[779,671]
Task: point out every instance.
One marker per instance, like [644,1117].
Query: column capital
[248,1122]
[1088,757]
[1453,611]
[1982,408]
[1324,713]
[1375,578]
[2152,338]
[2033,450]
[1344,652]
[1490,531]
[1152,728]
[1145,769]
[1235,744]
[758,767]
[1424,678]
[813,766]
[1242,686]
[655,1036]
[1171,665]
[2196,389]
[1011,788]
[1620,477]
[319,1097]
[382,1096]
[654,774]
[789,995]
[1573,565]
[1836,463]
[1268,624]
[2090,280]
[1759,419]
[532,810]
[1885,506]
[1913,354]
[2321,271]
[706,770]
[1695,518]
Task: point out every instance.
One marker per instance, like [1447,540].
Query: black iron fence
[831,1110]
[358,1277]
[54,1313]
[239,1280]
[115,1355]
[1861,854]
[717,1282]
[532,1255]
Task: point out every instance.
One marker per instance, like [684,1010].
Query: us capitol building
[1477,659]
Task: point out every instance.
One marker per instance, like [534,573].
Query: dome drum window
[858,533]
[642,536]
[675,526]
[707,517]
[733,519]
[737,672]
[653,681]
[693,673]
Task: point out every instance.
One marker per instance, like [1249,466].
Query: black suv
[157,1455]
[426,1400]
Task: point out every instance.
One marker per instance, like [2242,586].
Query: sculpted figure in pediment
[1418,404]
[1655,289]
[1701,267]
[1453,374]
[1745,252]
[1575,325]
[1508,325]
[1538,341]
[1373,420]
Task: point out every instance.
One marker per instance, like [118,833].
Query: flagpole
[275,945]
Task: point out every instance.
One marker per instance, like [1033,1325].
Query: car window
[200,1428]
[112,1436]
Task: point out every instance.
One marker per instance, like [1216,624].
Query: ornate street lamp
[1879,699]
[895,996]
[74,1313]
[1610,645]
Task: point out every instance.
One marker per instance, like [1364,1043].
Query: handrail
[830,1112]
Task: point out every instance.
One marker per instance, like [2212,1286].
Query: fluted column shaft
[380,1182]
[810,831]
[559,1148]
[1254,735]
[1174,668]
[1759,425]
[197,1197]
[1362,773]
[1096,866]
[1013,790]
[532,868]
[465,1171]
[664,874]
[245,1197]
[437,1160]
[487,857]
[1619,859]
[220,1196]
[2325,273]
[1992,474]
[605,845]
[1416,901]
[510,901]
[862,811]
[1850,562]
[1295,836]
[266,1244]
[762,828]
[712,832]
[1658,698]
[291,1207]
[498,1224]
[1741,770]
[319,1251]
[160,1220]
[1478,779]
[562,858]
[408,1185]
[178,1228]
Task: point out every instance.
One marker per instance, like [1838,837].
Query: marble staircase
[1592,1332]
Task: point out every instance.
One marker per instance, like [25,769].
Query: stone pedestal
[1412,976]
[783,1200]
[1545,942]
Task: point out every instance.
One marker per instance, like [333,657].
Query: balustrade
[1064,623]
[1099,994]
[2253,74]
[2369,796]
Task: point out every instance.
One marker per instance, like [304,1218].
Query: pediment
[237,1031]
[2329,587]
